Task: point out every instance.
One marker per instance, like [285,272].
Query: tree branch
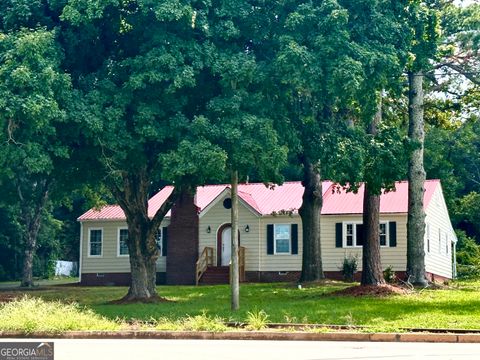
[163,210]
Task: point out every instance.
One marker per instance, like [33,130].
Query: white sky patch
[466,2]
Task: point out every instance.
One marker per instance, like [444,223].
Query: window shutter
[294,231]
[164,240]
[270,239]
[393,233]
[338,235]
[360,235]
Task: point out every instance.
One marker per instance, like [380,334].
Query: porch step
[216,275]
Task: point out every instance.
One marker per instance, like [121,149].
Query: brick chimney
[182,241]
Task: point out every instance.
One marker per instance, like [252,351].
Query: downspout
[80,254]
[260,254]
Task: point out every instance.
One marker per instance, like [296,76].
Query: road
[250,350]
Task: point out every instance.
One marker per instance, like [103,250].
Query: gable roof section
[115,212]
[279,198]
[202,197]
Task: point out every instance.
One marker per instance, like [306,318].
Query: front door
[226,246]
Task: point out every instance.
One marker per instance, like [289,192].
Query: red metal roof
[344,202]
[279,198]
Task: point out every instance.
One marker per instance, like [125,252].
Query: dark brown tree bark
[372,273]
[310,213]
[416,183]
[32,219]
[133,199]
[235,275]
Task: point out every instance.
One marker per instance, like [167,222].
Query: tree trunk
[234,273]
[142,247]
[310,213]
[27,270]
[143,256]
[32,221]
[416,182]
[372,273]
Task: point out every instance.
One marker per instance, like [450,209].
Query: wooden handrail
[241,265]
[204,261]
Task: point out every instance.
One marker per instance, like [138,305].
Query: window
[122,242]
[350,236]
[428,237]
[95,242]
[282,239]
[158,240]
[439,241]
[354,234]
[227,203]
[383,234]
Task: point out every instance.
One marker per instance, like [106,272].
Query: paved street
[249,350]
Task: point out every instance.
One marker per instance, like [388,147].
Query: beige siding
[109,262]
[255,241]
[438,260]
[390,256]
[280,262]
[217,216]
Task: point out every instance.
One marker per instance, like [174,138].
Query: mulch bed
[7,297]
[372,290]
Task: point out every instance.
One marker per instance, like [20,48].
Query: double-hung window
[95,242]
[122,242]
[428,238]
[159,240]
[282,239]
[383,234]
[353,234]
[439,241]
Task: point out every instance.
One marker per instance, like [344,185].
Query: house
[194,239]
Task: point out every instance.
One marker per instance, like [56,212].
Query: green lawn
[456,307]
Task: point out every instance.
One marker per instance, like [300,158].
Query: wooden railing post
[204,261]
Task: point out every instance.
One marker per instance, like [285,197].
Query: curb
[253,335]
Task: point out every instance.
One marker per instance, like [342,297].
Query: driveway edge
[251,335]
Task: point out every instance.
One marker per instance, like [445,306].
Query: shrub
[468,272]
[389,275]
[349,268]
[257,320]
[33,314]
[201,322]
[468,257]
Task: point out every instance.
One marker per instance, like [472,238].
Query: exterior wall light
[209,229]
[247,228]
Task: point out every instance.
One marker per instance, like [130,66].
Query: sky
[467,2]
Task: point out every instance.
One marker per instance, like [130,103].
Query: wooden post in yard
[234,271]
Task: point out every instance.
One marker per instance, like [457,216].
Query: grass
[34,314]
[457,307]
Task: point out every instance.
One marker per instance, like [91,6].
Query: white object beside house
[270,234]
